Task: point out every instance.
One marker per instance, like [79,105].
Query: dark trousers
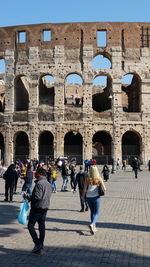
[84,203]
[38,217]
[9,188]
[136,173]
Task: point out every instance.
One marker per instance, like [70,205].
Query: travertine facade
[40,117]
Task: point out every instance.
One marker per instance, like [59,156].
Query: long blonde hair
[94,176]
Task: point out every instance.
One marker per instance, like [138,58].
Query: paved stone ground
[122,240]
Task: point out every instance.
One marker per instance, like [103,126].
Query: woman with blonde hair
[91,193]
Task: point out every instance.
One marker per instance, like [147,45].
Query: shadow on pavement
[72,256]
[8,214]
[110,225]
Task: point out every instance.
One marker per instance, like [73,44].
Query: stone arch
[101,93]
[21,146]
[131,145]
[46,145]
[102,61]
[46,90]
[73,90]
[21,93]
[73,146]
[131,92]
[101,147]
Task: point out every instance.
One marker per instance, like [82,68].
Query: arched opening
[2,149]
[101,147]
[131,88]
[21,94]
[73,94]
[21,146]
[131,146]
[101,62]
[2,65]
[46,146]
[101,93]
[73,143]
[46,90]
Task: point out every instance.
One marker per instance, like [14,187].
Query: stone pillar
[59,99]
[33,142]
[88,79]
[9,146]
[59,145]
[34,98]
[9,85]
[87,142]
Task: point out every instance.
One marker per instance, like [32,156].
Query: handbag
[101,191]
[24,207]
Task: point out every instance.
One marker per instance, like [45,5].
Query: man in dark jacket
[80,180]
[10,177]
[135,166]
[65,174]
[40,200]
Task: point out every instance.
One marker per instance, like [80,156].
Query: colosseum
[80,90]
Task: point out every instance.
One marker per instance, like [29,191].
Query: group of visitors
[87,180]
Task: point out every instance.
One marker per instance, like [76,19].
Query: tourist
[65,174]
[10,177]
[40,200]
[27,186]
[72,176]
[135,166]
[80,181]
[91,193]
[105,173]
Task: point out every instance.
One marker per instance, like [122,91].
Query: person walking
[27,186]
[80,181]
[135,166]
[10,177]
[105,173]
[65,174]
[40,200]
[92,195]
[72,176]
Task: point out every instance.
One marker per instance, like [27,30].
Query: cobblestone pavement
[122,240]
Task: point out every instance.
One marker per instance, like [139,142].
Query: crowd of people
[86,180]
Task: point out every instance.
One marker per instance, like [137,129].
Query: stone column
[59,83]
[87,142]
[33,142]
[34,98]
[9,146]
[9,85]
[59,145]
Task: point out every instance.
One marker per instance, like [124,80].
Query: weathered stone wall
[71,50]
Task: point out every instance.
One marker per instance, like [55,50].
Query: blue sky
[17,12]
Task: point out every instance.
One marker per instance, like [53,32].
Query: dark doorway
[101,150]
[1,147]
[73,146]
[46,146]
[21,94]
[21,146]
[131,145]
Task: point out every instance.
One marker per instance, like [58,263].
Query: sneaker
[37,249]
[91,226]
[82,210]
[94,228]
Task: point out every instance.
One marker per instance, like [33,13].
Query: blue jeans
[94,205]
[53,185]
[27,188]
[38,217]
[65,181]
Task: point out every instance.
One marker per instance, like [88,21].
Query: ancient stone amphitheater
[80,90]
